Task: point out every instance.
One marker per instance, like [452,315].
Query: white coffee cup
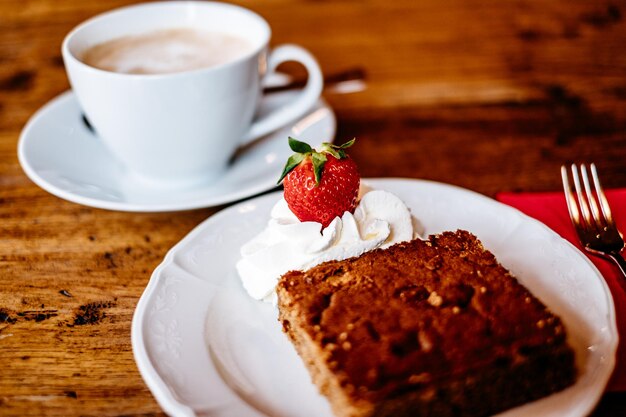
[182,128]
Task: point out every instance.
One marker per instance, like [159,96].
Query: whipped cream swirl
[380,220]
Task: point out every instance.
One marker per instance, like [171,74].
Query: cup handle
[299,105]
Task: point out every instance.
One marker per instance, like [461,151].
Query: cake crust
[424,328]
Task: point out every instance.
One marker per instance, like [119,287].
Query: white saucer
[61,155]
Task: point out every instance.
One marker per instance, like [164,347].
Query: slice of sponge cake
[424,328]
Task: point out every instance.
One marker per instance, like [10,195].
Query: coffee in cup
[166,51]
[175,117]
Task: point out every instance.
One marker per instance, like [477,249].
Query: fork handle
[619,260]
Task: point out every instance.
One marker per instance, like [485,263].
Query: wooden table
[488,95]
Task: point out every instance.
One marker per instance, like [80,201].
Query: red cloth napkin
[551,209]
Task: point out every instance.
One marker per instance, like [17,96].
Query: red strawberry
[320,185]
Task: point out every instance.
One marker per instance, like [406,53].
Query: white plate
[205,348]
[61,155]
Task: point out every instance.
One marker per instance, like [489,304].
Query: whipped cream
[380,220]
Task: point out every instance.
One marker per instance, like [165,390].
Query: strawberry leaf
[347,144]
[319,160]
[329,148]
[293,161]
[298,146]
[338,151]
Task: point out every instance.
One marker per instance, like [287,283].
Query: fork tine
[604,204]
[599,235]
[574,213]
[595,211]
[582,201]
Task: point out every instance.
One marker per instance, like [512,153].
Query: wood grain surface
[488,95]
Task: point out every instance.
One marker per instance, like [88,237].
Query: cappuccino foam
[166,51]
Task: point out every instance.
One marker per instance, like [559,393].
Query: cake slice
[424,328]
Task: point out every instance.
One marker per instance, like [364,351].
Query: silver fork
[591,215]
